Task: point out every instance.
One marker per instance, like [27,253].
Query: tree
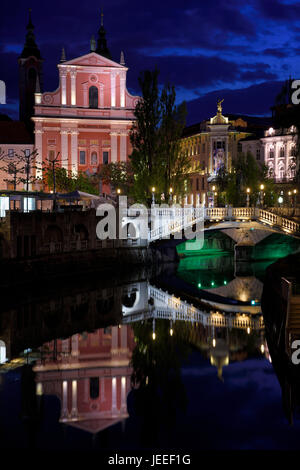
[173,160]
[144,137]
[245,173]
[20,167]
[119,175]
[157,160]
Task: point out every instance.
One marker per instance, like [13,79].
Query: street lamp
[262,187]
[153,195]
[248,196]
[295,196]
[118,191]
[280,200]
[171,195]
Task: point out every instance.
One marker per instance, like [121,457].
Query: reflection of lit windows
[11,153]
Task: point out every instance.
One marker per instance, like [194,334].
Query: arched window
[94,158]
[271,153]
[93,97]
[281,153]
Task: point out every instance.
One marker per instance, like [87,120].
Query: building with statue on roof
[213,144]
[85,121]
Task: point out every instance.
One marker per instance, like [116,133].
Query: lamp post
[153,195]
[171,195]
[295,196]
[280,200]
[118,191]
[262,195]
[248,196]
[214,193]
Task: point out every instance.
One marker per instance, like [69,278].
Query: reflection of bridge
[152,303]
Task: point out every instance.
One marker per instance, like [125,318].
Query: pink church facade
[90,376]
[88,118]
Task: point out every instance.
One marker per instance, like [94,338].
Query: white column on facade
[122,89]
[39,148]
[63,85]
[123,147]
[210,152]
[226,153]
[114,395]
[74,152]
[64,149]
[64,406]
[276,159]
[123,407]
[74,411]
[114,146]
[113,89]
[73,87]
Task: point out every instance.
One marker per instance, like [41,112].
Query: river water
[125,362]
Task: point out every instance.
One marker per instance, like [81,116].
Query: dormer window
[93,97]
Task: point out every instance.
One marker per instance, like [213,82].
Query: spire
[93,43]
[37,85]
[122,59]
[63,55]
[102,48]
[30,47]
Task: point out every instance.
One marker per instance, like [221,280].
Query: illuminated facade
[90,374]
[88,118]
[277,150]
[211,145]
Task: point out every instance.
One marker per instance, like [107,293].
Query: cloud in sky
[200,47]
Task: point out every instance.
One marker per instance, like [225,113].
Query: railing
[173,308]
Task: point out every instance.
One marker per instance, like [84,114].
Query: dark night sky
[242,47]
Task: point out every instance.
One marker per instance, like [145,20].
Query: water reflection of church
[90,374]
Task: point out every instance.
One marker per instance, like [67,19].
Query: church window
[82,157]
[93,97]
[281,154]
[105,158]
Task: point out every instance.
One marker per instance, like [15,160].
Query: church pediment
[93,59]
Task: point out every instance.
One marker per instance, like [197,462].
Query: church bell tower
[30,75]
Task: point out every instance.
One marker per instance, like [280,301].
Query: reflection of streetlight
[248,196]
[153,329]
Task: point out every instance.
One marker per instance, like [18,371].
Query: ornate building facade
[277,149]
[88,118]
[211,144]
